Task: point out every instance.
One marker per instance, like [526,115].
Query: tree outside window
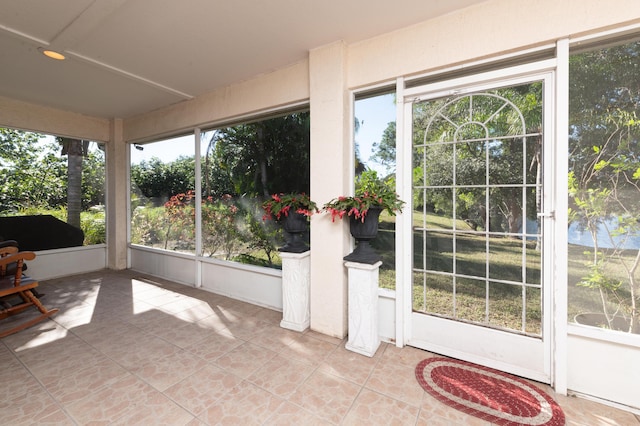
[241,166]
[604,188]
[49,175]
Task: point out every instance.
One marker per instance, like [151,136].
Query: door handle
[551,214]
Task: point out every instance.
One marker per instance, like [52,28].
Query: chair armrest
[17,258]
[8,250]
[8,243]
[14,257]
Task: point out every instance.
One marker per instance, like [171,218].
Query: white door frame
[405,96]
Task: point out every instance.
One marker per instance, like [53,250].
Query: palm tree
[74,149]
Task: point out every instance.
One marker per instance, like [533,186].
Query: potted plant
[293,211]
[372,197]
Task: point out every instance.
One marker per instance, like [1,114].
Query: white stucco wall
[26,116]
[487,29]
[604,368]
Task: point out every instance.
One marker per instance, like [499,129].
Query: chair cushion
[7,284]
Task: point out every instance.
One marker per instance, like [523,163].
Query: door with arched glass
[479,287]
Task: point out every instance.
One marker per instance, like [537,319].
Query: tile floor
[127,349]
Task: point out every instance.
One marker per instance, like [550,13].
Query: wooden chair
[6,248]
[15,283]
[6,251]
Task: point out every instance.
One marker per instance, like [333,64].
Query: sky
[373,113]
[167,150]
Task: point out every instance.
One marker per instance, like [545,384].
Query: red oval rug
[486,393]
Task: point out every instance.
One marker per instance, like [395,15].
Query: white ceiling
[126,57]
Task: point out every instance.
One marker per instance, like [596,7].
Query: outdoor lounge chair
[14,283]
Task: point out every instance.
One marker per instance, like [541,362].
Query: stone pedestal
[363,308]
[296,286]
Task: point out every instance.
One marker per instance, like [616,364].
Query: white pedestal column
[363,308]
[295,290]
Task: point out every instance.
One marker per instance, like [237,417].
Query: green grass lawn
[496,304]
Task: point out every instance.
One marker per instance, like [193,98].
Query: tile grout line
[55,400]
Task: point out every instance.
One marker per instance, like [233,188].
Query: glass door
[478,195]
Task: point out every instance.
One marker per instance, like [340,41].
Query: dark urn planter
[295,225]
[598,319]
[364,232]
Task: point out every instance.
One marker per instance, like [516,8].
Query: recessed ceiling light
[52,54]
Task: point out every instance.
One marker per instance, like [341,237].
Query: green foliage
[221,227]
[25,179]
[249,259]
[464,139]
[158,181]
[259,158]
[599,279]
[386,149]
[264,236]
[231,229]
[93,179]
[604,178]
[148,225]
[94,227]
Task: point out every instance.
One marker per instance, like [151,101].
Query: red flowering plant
[280,205]
[370,192]
[180,218]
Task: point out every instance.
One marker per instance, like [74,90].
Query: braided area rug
[486,393]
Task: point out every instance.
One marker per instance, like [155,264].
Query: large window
[604,187]
[55,184]
[241,166]
[162,194]
[375,158]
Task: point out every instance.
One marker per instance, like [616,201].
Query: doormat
[486,393]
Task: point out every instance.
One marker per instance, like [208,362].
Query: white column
[331,175]
[363,308]
[116,196]
[296,282]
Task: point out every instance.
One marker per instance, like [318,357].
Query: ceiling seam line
[130,75]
